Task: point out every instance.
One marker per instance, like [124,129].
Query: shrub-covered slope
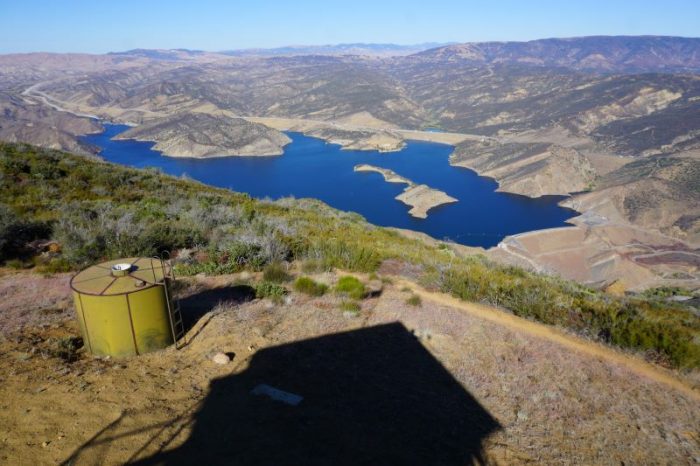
[95,210]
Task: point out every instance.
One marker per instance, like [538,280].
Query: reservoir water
[311,167]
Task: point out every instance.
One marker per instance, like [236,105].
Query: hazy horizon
[211,25]
[388,44]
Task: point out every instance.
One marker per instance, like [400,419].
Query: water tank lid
[120,276]
[121,269]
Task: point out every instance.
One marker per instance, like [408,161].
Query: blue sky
[98,26]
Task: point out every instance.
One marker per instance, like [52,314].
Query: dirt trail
[555,335]
[557,399]
[33,91]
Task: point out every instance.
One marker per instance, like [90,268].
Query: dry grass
[555,406]
[49,298]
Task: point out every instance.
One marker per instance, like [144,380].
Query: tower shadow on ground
[370,396]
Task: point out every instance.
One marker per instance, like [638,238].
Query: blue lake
[313,168]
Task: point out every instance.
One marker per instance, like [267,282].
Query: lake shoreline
[312,167]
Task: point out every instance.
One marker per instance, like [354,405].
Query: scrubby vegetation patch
[310,287]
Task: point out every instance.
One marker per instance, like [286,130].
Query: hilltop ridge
[608,54]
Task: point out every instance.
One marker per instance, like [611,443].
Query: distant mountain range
[627,54]
[161,54]
[606,54]
[360,49]
[381,50]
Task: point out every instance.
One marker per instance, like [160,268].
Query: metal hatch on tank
[125,308]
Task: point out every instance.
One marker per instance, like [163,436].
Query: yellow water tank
[123,306]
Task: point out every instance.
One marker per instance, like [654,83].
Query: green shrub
[231,258]
[273,291]
[243,255]
[346,256]
[666,292]
[308,286]
[225,267]
[414,300]
[351,287]
[15,264]
[55,265]
[15,233]
[351,306]
[164,236]
[276,273]
[8,218]
[312,266]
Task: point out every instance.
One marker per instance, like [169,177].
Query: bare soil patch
[500,390]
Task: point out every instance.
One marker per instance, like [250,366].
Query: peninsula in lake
[204,135]
[420,197]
